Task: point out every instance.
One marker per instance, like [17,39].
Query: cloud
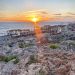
[43,12]
[58,14]
[37,13]
[69,13]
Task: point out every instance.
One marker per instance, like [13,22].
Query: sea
[5,26]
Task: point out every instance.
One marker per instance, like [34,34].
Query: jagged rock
[7,69]
[34,69]
[72,73]
[63,70]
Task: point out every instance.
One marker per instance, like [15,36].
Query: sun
[35,19]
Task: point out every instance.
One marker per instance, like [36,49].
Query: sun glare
[35,19]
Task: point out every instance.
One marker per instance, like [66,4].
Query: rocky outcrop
[46,61]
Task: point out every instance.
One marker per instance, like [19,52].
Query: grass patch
[21,45]
[24,45]
[16,60]
[9,58]
[54,46]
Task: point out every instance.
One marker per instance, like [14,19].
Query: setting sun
[35,19]
[37,28]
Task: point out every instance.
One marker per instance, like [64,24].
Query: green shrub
[54,46]
[24,45]
[2,58]
[9,58]
[16,60]
[21,45]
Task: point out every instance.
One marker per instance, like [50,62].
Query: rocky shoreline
[32,61]
[24,55]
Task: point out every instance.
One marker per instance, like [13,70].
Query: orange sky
[41,15]
[24,10]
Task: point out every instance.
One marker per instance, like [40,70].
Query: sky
[22,10]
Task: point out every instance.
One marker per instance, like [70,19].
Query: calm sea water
[5,26]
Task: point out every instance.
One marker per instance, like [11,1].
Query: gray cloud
[58,14]
[69,13]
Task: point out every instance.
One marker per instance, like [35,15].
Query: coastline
[5,26]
